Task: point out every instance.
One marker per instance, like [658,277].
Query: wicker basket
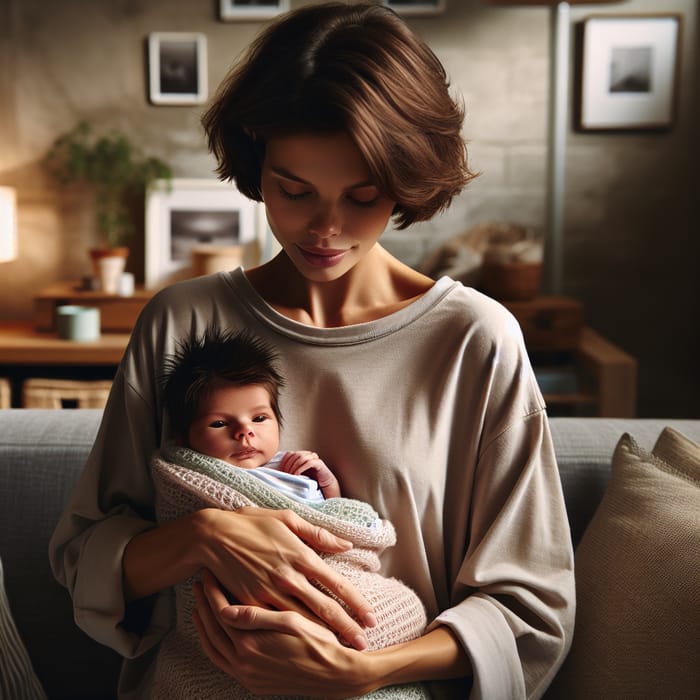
[64,393]
[5,393]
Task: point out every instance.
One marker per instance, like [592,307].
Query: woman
[419,393]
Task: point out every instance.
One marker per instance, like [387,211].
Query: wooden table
[20,344]
[29,356]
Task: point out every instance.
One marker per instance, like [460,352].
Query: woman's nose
[325,223]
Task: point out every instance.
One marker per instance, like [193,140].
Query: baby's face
[236,424]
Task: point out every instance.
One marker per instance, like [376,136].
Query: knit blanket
[186,481]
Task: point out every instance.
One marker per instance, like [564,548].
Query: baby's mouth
[245,453]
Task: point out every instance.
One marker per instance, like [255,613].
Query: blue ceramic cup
[78,322]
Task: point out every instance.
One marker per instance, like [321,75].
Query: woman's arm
[267,644]
[236,547]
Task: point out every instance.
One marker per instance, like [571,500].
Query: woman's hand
[258,648]
[309,463]
[260,557]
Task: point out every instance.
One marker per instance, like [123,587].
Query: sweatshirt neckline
[342,335]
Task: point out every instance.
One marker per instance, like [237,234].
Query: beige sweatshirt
[431,414]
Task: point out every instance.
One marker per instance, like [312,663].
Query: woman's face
[236,424]
[321,202]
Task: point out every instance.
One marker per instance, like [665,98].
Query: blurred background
[629,230]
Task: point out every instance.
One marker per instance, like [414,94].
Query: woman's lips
[322,257]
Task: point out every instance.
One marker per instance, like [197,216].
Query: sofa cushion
[17,677]
[638,579]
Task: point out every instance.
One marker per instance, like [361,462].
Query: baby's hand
[309,463]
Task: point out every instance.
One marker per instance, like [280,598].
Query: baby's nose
[244,431]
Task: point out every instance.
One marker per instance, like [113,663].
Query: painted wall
[631,201]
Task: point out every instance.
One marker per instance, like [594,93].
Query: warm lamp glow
[8,224]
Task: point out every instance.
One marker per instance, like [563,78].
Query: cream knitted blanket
[186,481]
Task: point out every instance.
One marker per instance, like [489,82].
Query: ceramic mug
[78,322]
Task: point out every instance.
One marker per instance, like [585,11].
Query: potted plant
[116,171]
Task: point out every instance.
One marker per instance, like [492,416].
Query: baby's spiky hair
[204,362]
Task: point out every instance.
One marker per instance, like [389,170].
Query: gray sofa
[42,453]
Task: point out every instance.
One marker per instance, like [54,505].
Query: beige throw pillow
[637,631]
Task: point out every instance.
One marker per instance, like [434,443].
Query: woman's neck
[376,287]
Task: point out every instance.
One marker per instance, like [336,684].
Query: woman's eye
[364,202]
[364,196]
[293,195]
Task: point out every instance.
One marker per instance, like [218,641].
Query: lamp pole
[558,123]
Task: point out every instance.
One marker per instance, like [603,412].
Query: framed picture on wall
[177,68]
[416,7]
[230,10]
[629,72]
[186,214]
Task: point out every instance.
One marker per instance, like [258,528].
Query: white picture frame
[184,213]
[416,8]
[177,68]
[629,68]
[232,10]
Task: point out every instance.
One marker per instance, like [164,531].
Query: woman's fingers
[210,632]
[328,610]
[261,558]
[315,569]
[257,647]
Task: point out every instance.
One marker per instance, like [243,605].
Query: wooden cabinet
[579,371]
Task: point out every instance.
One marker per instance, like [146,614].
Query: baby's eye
[260,419]
[217,424]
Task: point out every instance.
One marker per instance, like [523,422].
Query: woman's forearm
[163,556]
[436,655]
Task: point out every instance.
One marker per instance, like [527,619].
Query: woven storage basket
[65,393]
[5,393]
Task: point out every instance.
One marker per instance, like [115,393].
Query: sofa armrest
[42,454]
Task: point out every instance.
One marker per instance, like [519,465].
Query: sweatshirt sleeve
[111,503]
[514,596]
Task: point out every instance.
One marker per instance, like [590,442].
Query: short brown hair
[356,68]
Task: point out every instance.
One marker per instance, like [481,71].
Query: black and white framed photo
[185,214]
[230,10]
[177,68]
[629,71]
[416,8]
